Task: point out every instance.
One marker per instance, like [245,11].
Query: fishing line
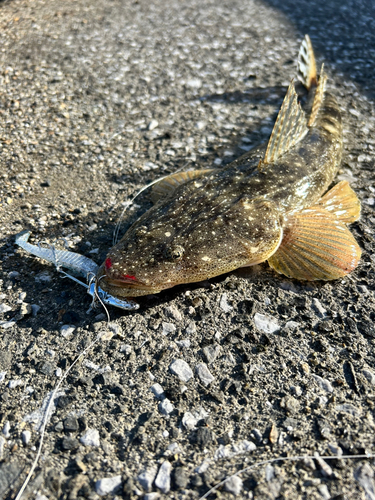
[129,203]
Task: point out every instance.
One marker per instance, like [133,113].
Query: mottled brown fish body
[238,216]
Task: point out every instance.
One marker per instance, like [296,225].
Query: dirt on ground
[98,99]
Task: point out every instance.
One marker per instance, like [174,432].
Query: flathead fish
[268,205]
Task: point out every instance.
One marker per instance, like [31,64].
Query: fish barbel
[268,205]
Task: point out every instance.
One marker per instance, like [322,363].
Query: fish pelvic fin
[290,127]
[317,245]
[168,184]
[306,64]
[318,98]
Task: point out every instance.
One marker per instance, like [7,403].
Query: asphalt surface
[97,99]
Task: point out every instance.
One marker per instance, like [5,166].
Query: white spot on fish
[167,234]
[206,258]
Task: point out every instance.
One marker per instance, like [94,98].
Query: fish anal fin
[167,184]
[290,127]
[319,97]
[342,203]
[316,246]
[306,64]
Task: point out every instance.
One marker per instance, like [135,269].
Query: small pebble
[152,496]
[7,324]
[224,303]
[200,126]
[153,125]
[6,429]
[269,472]
[266,324]
[257,435]
[69,443]
[15,383]
[318,307]
[234,485]
[108,485]
[189,421]
[71,424]
[67,330]
[43,277]
[173,313]
[91,438]
[325,469]
[324,493]
[2,444]
[203,466]
[157,391]
[349,408]
[2,376]
[204,374]
[4,308]
[191,328]
[163,478]
[184,343]
[180,478]
[231,450]
[146,478]
[323,383]
[336,450]
[211,352]
[369,375]
[168,328]
[34,310]
[204,437]
[291,325]
[181,369]
[194,83]
[26,436]
[364,474]
[165,407]
[25,309]
[296,390]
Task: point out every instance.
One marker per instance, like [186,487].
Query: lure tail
[77,264]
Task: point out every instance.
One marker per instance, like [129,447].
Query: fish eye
[175,252]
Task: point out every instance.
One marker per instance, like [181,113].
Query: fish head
[158,254]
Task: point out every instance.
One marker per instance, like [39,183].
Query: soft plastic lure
[78,265]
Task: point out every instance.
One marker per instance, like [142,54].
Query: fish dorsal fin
[306,64]
[290,127]
[168,184]
[319,97]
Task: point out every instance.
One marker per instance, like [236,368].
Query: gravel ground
[96,100]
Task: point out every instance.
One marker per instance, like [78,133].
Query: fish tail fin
[307,74]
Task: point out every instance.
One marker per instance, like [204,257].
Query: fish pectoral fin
[341,202]
[166,185]
[316,246]
[306,64]
[290,128]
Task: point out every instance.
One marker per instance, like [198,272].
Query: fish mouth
[125,283]
[124,288]
[128,286]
